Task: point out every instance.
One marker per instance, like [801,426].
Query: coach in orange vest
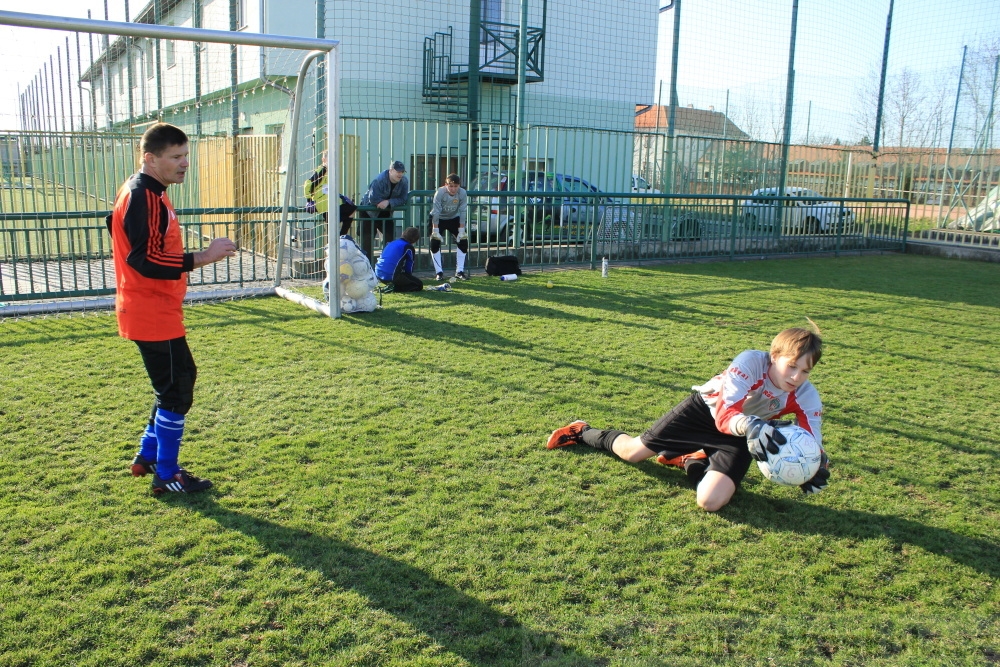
[151,270]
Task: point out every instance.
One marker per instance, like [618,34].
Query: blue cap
[398,166]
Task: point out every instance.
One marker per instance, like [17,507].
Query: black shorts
[445,225]
[172,372]
[690,427]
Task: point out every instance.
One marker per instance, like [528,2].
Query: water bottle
[604,267]
[507,277]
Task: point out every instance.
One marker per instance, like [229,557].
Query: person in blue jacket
[386,192]
[395,265]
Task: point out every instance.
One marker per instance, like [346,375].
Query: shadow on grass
[803,517]
[659,307]
[784,515]
[535,353]
[458,622]
[808,519]
[917,277]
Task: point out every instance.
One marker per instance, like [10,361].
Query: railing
[499,44]
[582,228]
[68,254]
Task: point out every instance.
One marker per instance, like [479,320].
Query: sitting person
[317,193]
[395,265]
[387,192]
[347,210]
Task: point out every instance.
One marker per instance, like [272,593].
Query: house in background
[700,140]
[137,81]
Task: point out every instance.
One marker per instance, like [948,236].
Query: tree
[909,110]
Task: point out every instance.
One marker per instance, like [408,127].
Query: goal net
[259,111]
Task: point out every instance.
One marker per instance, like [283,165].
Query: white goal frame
[312,48]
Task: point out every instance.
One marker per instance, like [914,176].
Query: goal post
[259,111]
[331,305]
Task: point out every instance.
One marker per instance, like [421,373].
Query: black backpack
[502,265]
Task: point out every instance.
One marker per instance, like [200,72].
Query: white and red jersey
[745,389]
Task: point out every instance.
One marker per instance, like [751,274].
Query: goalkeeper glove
[436,234]
[820,479]
[762,437]
[461,234]
[310,206]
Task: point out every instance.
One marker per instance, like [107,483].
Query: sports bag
[502,265]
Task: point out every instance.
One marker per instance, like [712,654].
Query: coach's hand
[820,479]
[436,234]
[762,438]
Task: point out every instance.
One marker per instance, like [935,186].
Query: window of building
[430,171]
[490,11]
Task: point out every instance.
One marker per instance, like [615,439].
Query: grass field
[383,495]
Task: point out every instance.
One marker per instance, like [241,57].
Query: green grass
[383,495]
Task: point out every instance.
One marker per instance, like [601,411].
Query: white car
[810,214]
[641,186]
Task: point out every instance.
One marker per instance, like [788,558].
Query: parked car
[760,211]
[641,186]
[494,218]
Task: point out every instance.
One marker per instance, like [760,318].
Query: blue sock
[148,443]
[169,431]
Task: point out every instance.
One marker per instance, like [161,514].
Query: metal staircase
[446,85]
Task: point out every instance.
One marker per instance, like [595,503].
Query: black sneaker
[439,276]
[141,466]
[182,482]
[461,275]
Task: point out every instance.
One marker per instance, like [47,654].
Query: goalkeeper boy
[717,431]
[448,214]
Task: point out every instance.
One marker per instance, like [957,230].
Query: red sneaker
[679,461]
[567,435]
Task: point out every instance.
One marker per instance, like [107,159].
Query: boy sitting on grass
[714,433]
[395,265]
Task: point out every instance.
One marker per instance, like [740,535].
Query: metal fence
[64,254]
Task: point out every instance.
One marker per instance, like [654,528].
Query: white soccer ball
[361,266]
[796,462]
[356,288]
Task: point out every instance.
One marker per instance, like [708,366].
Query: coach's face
[168,167]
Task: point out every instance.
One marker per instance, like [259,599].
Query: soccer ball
[796,462]
[356,288]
